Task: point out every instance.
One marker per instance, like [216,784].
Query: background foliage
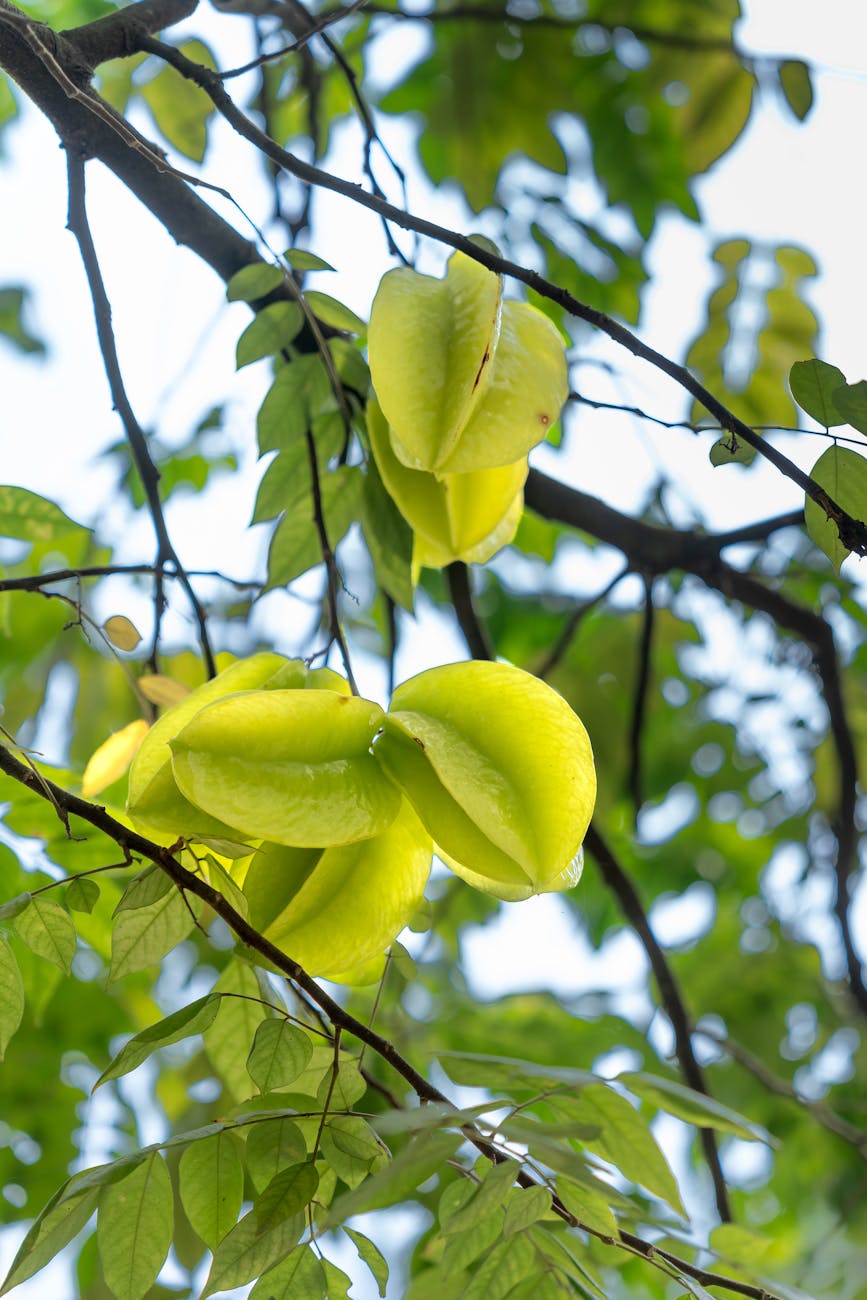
[721,675]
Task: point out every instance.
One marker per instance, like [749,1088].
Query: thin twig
[564,640]
[821,1113]
[147,470]
[852,531]
[621,886]
[475,633]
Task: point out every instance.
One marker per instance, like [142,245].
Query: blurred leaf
[797,86]
[180,108]
[122,633]
[11,995]
[13,304]
[32,518]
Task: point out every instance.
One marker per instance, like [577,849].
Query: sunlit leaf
[280,1053]
[121,632]
[143,935]
[32,518]
[111,761]
[48,931]
[11,995]
[212,1186]
[161,690]
[192,1019]
[134,1228]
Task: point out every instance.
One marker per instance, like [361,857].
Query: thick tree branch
[660,550]
[626,894]
[68,805]
[117,35]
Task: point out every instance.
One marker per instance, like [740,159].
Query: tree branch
[639,702]
[659,550]
[475,633]
[68,805]
[626,894]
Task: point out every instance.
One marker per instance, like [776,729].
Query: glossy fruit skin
[154,801]
[290,766]
[336,910]
[454,516]
[466,381]
[499,769]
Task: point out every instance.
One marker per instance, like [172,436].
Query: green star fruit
[293,766]
[154,802]
[500,771]
[430,346]
[336,910]
[466,382]
[456,516]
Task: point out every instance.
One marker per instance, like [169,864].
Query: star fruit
[466,381]
[154,802]
[453,516]
[500,771]
[335,910]
[291,766]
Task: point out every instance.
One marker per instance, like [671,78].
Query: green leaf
[134,1228]
[212,1186]
[15,906]
[462,1248]
[296,545]
[300,392]
[587,1205]
[148,887]
[228,1038]
[13,301]
[62,1219]
[181,109]
[625,1139]
[32,518]
[372,1257]
[334,313]
[694,1107]
[82,895]
[302,260]
[279,1054]
[11,996]
[192,1019]
[389,539]
[525,1206]
[843,475]
[351,1148]
[253,282]
[272,1145]
[272,329]
[814,384]
[48,931]
[851,402]
[300,1276]
[797,87]
[143,935]
[422,1156]
[336,1282]
[742,1246]
[267,1233]
[502,1270]
[489,1196]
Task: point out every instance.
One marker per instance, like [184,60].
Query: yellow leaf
[161,690]
[121,632]
[113,758]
